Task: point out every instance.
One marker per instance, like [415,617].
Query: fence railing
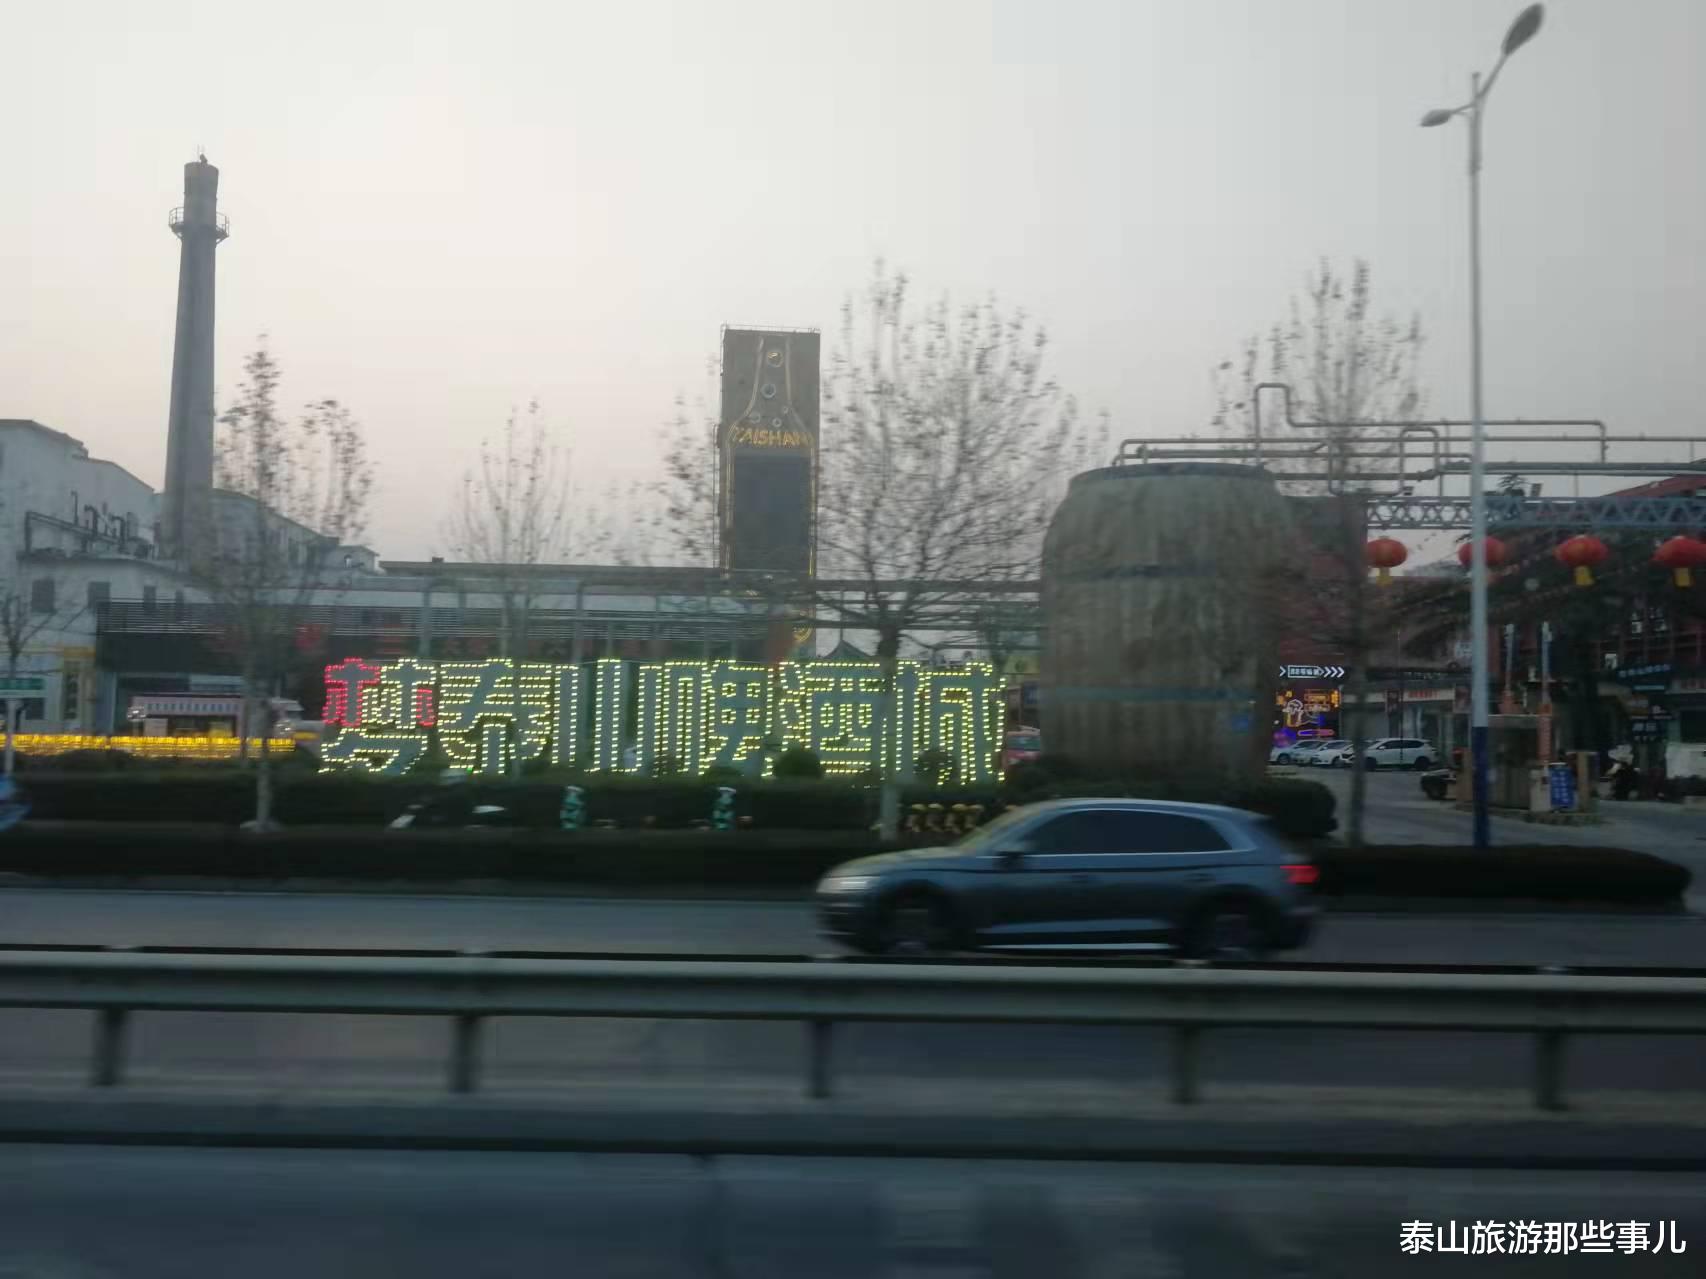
[117,986]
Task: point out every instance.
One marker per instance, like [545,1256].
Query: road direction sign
[1312,672]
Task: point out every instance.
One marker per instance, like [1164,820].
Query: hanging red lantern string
[1497,553]
[1385,554]
[1680,554]
[1581,553]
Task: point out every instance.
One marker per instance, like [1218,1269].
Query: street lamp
[1521,31]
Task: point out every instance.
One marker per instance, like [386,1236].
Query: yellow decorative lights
[675,716]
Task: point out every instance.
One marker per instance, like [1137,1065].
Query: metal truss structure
[1516,511]
[1389,462]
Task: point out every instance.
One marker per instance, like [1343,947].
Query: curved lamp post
[1520,33]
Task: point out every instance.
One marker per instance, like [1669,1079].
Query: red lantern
[1581,553]
[1385,554]
[1497,553]
[1679,555]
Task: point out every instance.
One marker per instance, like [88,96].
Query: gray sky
[441,210]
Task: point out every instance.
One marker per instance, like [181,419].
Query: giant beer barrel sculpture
[1160,591]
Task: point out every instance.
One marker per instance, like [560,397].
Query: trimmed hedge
[1543,872]
[772,859]
[1299,808]
[616,858]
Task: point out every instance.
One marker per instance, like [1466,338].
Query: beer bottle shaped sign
[769,451]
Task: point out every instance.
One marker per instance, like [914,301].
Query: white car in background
[1400,752]
[1334,753]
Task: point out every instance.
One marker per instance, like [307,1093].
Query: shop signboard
[1647,730]
[1654,677]
[1312,672]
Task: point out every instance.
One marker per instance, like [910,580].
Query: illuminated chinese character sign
[676,717]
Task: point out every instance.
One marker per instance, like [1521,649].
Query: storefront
[199,715]
[1305,712]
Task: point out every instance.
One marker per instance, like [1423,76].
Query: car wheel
[1422,764]
[1433,788]
[1369,763]
[1282,758]
[1230,931]
[915,924]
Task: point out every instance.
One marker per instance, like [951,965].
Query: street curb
[1542,1143]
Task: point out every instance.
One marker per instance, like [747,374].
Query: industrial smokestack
[200,227]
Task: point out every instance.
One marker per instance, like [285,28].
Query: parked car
[1292,752]
[1082,875]
[1019,746]
[1400,752]
[1335,752]
[1437,782]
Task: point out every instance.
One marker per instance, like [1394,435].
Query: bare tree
[1353,373]
[683,525]
[511,515]
[21,621]
[292,490]
[946,446]
[516,511]
[1353,378]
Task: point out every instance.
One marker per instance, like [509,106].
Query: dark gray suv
[1082,875]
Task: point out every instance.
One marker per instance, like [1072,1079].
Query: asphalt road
[307,1052]
[137,1213]
[153,917]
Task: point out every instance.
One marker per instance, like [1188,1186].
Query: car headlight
[846,883]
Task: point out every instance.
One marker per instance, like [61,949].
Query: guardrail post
[1185,1038]
[107,1069]
[1549,1069]
[820,1039]
[465,1052]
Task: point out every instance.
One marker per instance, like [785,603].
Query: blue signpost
[1563,780]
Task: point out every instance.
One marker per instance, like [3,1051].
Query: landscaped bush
[1300,808]
[1543,872]
[798,763]
[774,859]
[226,796]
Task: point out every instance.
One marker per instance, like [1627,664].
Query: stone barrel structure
[1161,587]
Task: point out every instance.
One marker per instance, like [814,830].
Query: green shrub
[1545,872]
[1299,808]
[777,858]
[798,763]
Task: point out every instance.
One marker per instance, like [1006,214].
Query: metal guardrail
[1186,1000]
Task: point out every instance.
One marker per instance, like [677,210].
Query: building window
[149,595]
[42,595]
[99,593]
[71,700]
